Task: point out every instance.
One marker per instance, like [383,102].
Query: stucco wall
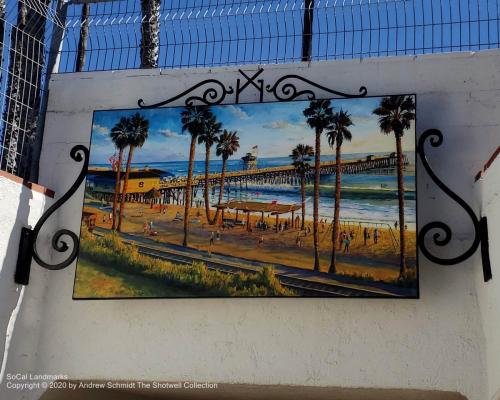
[20,309]
[488,190]
[436,342]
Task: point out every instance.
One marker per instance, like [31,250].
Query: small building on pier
[102,181]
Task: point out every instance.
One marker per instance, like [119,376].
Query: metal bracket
[480,224]
[27,246]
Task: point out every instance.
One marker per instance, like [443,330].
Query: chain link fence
[42,36]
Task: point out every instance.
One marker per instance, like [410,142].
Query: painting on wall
[281,199]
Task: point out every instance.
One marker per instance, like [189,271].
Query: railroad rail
[304,287]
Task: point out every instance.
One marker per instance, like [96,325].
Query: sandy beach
[378,261]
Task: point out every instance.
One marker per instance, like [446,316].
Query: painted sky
[275,127]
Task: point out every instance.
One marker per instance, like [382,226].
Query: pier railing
[286,174]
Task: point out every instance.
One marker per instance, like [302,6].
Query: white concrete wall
[488,190]
[20,307]
[436,342]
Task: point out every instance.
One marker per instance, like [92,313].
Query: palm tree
[301,155]
[319,115]
[227,144]
[150,33]
[307,30]
[193,119]
[338,131]
[84,34]
[119,136]
[138,133]
[395,115]
[209,136]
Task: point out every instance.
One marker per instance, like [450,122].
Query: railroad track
[302,286]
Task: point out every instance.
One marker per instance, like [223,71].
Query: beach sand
[378,261]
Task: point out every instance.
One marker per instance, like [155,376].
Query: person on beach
[396,225]
[298,241]
[347,243]
[375,235]
[342,237]
[261,240]
[145,227]
[212,237]
[151,225]
[218,235]
[366,235]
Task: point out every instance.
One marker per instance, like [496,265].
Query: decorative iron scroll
[28,247]
[284,89]
[288,91]
[480,225]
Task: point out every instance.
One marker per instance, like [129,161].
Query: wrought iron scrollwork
[287,91]
[211,96]
[28,245]
[443,233]
[284,89]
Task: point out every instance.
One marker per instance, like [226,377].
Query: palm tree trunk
[303,195]
[221,191]
[125,187]
[317,159]
[307,30]
[117,187]
[150,33]
[82,42]
[336,213]
[205,189]
[401,200]
[187,204]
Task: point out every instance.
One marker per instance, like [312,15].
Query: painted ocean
[369,196]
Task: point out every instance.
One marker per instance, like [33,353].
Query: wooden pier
[171,190]
[286,174]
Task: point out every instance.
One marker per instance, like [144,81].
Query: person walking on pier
[376,235]
[366,235]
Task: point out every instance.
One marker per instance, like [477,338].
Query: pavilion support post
[277,221]
[262,216]
[237,215]
[248,220]
[293,219]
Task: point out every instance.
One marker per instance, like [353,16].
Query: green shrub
[109,251]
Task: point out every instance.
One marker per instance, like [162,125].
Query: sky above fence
[198,33]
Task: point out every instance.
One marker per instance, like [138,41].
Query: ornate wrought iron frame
[283,89]
[480,224]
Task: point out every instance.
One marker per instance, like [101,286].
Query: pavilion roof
[257,206]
